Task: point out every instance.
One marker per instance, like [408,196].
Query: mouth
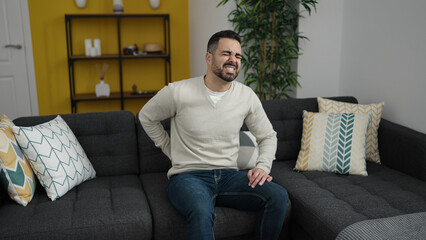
[230,68]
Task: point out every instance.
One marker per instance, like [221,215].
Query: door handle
[17,46]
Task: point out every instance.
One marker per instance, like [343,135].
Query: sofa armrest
[402,149]
[407,226]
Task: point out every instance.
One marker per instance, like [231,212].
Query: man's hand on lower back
[257,176]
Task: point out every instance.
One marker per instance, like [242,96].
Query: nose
[232,59]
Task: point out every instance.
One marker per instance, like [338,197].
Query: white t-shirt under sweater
[215,96]
[204,135]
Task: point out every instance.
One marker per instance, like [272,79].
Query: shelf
[115,56]
[148,94]
[113,96]
[83,57]
[156,55]
[115,15]
[92,97]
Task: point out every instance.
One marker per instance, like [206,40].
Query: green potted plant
[270,37]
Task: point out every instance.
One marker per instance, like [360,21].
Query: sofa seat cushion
[103,208]
[324,203]
[170,224]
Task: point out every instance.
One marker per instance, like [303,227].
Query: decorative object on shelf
[154,3]
[80,3]
[102,88]
[130,50]
[136,92]
[97,46]
[118,6]
[87,46]
[92,51]
[134,89]
[152,48]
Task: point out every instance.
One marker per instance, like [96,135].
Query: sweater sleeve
[158,108]
[260,126]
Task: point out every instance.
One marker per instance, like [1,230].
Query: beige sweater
[204,135]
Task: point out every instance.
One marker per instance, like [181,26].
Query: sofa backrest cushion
[286,118]
[108,138]
[152,159]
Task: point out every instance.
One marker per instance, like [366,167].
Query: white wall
[384,57]
[205,20]
[319,63]
[374,50]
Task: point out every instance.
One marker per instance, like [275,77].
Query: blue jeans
[195,194]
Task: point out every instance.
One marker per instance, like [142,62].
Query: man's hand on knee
[257,176]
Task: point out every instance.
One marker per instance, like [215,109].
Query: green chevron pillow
[16,175]
[55,155]
[334,142]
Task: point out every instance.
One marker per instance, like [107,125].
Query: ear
[208,58]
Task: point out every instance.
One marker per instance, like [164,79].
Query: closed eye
[229,53]
[226,53]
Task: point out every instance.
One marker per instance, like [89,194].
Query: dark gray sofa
[324,204]
[111,206]
[128,199]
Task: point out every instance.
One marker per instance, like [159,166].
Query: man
[206,114]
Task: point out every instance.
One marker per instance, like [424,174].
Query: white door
[17,83]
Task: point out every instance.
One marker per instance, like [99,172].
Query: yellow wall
[50,52]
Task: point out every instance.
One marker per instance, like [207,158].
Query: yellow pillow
[16,174]
[333,142]
[372,145]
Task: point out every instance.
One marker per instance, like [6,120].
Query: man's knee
[279,196]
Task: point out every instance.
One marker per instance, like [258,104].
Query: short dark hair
[214,40]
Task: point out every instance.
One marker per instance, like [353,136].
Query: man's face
[226,60]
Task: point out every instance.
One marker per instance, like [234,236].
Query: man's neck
[216,84]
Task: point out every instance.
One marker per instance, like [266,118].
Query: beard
[221,72]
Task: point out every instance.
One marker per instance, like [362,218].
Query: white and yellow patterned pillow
[16,174]
[372,145]
[333,142]
[55,155]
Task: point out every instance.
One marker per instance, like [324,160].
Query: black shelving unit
[121,95]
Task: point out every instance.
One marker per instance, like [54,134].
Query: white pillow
[55,155]
[248,152]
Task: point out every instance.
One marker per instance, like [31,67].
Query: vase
[118,6]
[154,3]
[102,89]
[80,3]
